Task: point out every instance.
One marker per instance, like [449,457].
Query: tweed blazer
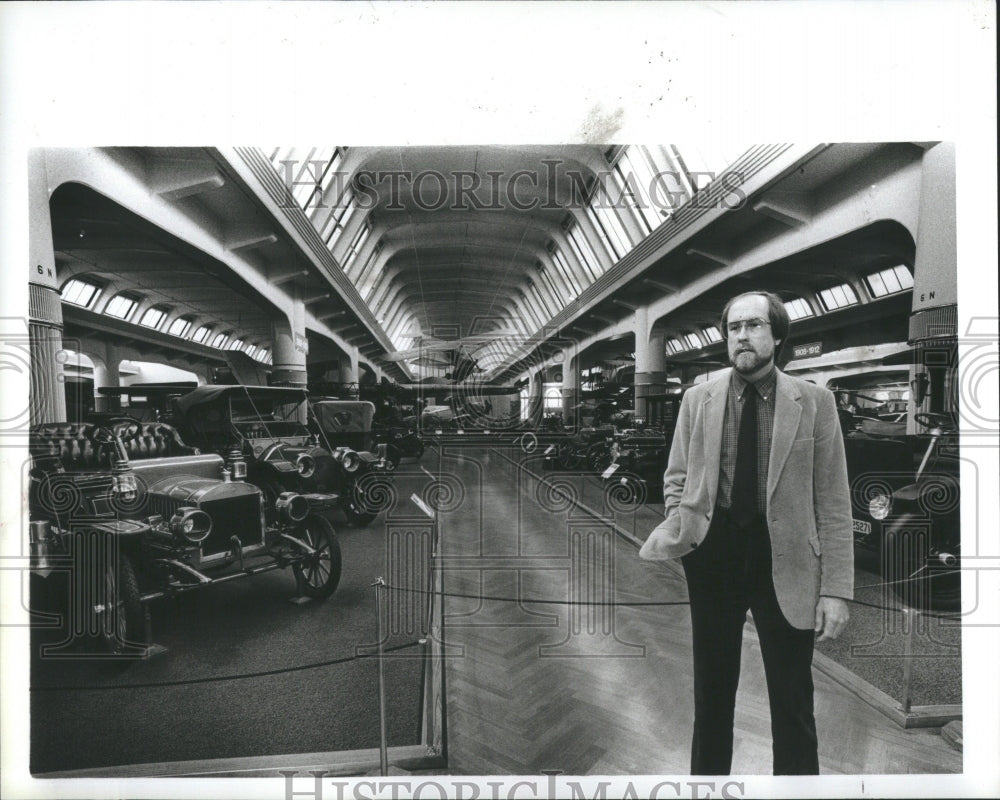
[808,499]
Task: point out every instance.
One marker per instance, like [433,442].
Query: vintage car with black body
[905,497]
[638,458]
[351,423]
[143,402]
[588,449]
[267,425]
[129,514]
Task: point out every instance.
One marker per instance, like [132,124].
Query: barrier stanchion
[379,585]
[910,617]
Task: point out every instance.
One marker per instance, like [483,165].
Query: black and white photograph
[372,429]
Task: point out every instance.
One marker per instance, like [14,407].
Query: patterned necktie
[743,506]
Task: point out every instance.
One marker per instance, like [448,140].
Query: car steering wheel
[929,420]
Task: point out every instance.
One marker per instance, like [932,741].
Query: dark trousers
[728,574]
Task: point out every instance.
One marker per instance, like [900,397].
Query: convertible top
[351,416]
[148,389]
[204,395]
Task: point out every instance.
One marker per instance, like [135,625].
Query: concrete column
[290,347]
[650,363]
[570,387]
[100,379]
[47,393]
[107,372]
[934,321]
[350,370]
[536,388]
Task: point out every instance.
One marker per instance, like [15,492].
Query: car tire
[122,620]
[905,560]
[318,575]
[598,458]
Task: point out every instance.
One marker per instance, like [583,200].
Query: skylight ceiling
[488,242]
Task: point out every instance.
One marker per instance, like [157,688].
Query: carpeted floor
[206,697]
[873,647]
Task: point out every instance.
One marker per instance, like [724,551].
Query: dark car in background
[267,425]
[905,497]
[143,402]
[124,515]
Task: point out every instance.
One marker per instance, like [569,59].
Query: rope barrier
[628,604]
[542,601]
[216,679]
[894,609]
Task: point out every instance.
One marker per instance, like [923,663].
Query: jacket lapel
[787,411]
[713,418]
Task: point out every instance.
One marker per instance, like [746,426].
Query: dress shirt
[765,389]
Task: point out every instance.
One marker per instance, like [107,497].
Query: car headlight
[291,507]
[880,506]
[191,524]
[306,465]
[347,458]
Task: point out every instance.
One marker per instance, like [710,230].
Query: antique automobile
[122,515]
[588,450]
[401,441]
[352,423]
[639,458]
[905,501]
[142,402]
[392,427]
[267,425]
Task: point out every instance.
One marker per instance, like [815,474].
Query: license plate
[862,526]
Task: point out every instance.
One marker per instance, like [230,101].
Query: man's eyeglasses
[755,325]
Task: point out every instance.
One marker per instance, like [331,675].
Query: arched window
[838,297]
[153,317]
[712,334]
[798,309]
[80,292]
[179,327]
[201,334]
[121,306]
[889,281]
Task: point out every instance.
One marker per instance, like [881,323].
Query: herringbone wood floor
[589,690]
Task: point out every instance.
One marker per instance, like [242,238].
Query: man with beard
[757,508]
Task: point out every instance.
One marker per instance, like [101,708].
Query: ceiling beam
[244,237]
[791,208]
[713,256]
[174,179]
[664,287]
[279,278]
